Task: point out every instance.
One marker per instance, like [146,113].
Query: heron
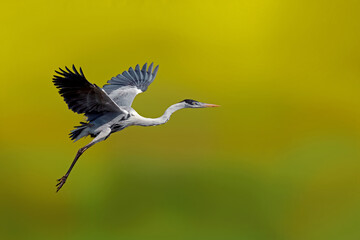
[108,109]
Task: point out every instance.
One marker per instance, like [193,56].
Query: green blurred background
[278,160]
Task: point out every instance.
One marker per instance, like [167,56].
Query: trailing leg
[100,137]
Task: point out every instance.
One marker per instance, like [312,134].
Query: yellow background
[278,160]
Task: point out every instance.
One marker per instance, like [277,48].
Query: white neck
[142,121]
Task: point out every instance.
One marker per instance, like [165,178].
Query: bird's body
[108,109]
[118,121]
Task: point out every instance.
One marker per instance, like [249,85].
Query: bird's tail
[74,134]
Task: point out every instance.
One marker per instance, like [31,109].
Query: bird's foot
[60,183]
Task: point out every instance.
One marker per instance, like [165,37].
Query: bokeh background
[279,160]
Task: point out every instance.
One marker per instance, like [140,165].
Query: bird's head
[189,103]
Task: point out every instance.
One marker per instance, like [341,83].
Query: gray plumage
[108,109]
[124,87]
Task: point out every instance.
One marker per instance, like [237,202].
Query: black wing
[80,95]
[123,88]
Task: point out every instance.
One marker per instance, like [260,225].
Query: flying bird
[108,109]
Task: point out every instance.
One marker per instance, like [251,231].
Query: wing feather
[133,75]
[138,72]
[123,88]
[80,95]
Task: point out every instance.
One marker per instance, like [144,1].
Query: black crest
[190,101]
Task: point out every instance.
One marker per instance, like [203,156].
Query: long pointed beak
[210,105]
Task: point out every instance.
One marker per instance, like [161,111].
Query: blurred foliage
[278,160]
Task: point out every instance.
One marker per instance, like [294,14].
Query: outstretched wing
[123,88]
[80,95]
